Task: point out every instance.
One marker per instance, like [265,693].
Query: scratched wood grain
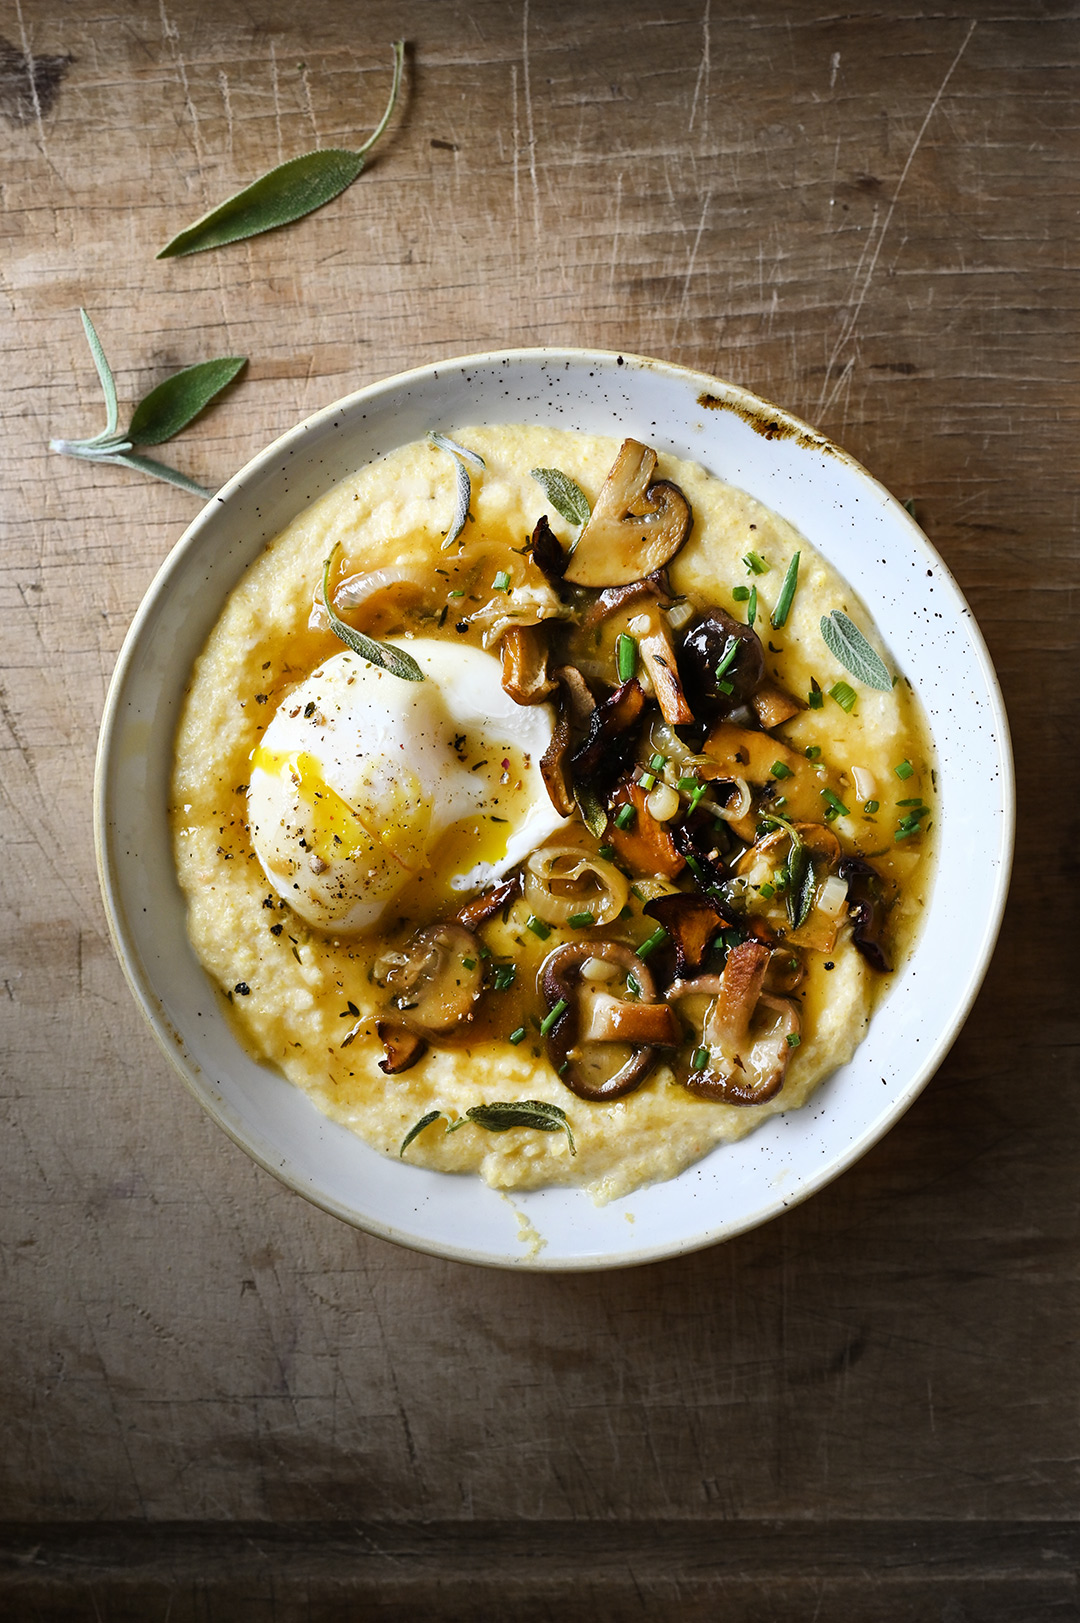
[869,216]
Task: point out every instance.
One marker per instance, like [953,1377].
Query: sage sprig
[394,660]
[500,1117]
[158,417]
[565,495]
[801,879]
[461,455]
[285,193]
[846,643]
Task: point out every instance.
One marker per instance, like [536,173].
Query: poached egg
[367,790]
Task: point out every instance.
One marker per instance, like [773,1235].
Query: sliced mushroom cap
[439,985]
[403,1047]
[545,550]
[745,1030]
[868,910]
[609,743]
[489,902]
[691,923]
[523,651]
[576,693]
[743,753]
[637,524]
[595,1067]
[614,598]
[555,764]
[646,846]
[773,706]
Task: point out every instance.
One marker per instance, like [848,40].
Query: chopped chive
[768,891]
[834,802]
[700,1059]
[658,763]
[468,963]
[871,807]
[740,593]
[580,921]
[647,781]
[635,890]
[501,581]
[688,785]
[632,986]
[725,686]
[554,1017]
[537,926]
[731,654]
[625,816]
[844,694]
[625,656]
[751,606]
[916,816]
[696,794]
[907,829]
[813,752]
[658,936]
[815,699]
[779,770]
[916,802]
[504,976]
[518,1036]
[607,852]
[781,800]
[756,563]
[787,593]
[626,912]
[904,770]
[794,1039]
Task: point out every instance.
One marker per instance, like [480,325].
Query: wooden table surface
[218,1403]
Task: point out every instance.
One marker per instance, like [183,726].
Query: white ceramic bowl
[926,624]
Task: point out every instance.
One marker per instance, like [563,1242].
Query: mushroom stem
[577,1057]
[744,1068]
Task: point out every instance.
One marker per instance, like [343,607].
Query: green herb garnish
[158,417]
[904,770]
[756,563]
[625,656]
[461,454]
[751,606]
[658,937]
[625,816]
[581,921]
[505,975]
[286,193]
[388,658]
[538,927]
[871,807]
[815,698]
[780,770]
[517,1036]
[700,1059]
[834,803]
[501,1117]
[787,593]
[846,643]
[793,1039]
[844,694]
[501,583]
[564,494]
[740,593]
[812,752]
[730,655]
[552,1018]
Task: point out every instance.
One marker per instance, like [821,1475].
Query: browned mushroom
[592,1065]
[658,657]
[646,846]
[867,905]
[745,1030]
[403,1047]
[743,753]
[773,706]
[722,664]
[524,654]
[637,524]
[545,550]
[691,923]
[621,597]
[439,984]
[489,902]
[555,765]
[609,743]
[577,694]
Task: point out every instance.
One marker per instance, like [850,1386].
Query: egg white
[367,790]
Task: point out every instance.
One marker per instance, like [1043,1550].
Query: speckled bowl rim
[765,420]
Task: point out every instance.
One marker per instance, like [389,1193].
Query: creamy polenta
[723,833]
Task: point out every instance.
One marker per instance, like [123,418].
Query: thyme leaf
[394,660]
[564,494]
[285,193]
[161,414]
[846,643]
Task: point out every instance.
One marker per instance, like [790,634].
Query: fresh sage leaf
[166,410]
[418,1128]
[565,495]
[286,193]
[500,1117]
[394,660]
[104,372]
[846,643]
[462,452]
[463,495]
[179,400]
[802,883]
